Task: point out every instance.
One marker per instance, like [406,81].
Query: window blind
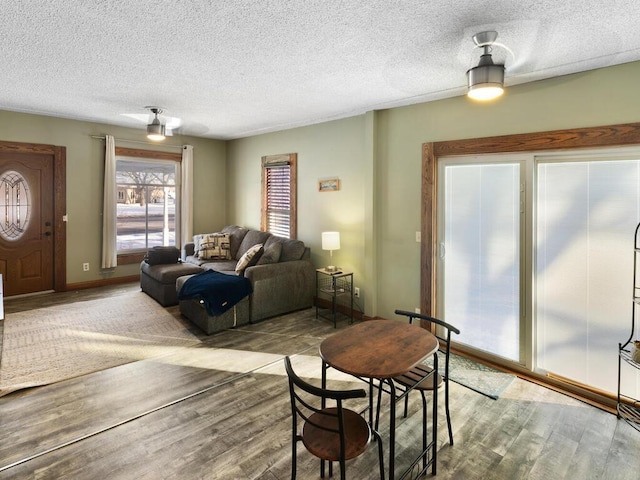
[278,200]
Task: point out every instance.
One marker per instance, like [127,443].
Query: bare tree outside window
[146,210]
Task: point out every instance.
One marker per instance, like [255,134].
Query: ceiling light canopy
[155,129]
[486,81]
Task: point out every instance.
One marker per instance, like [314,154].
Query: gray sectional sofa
[283,279]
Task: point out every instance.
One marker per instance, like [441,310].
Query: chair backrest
[305,406]
[444,336]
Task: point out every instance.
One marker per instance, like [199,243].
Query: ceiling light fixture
[486,81]
[155,130]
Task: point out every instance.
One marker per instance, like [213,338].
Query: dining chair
[415,378]
[334,434]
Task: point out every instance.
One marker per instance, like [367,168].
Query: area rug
[476,376]
[48,345]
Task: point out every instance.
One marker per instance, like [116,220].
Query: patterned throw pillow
[249,259]
[197,240]
[212,246]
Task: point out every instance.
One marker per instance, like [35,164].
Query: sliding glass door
[479,250]
[563,311]
[587,212]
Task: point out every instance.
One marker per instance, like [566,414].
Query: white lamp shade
[331,240]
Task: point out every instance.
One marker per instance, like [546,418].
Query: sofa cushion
[213,246]
[253,237]
[224,266]
[250,258]
[271,253]
[291,250]
[162,255]
[194,260]
[168,273]
[236,235]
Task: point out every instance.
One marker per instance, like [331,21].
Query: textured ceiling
[236,68]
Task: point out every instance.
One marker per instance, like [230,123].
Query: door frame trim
[59,155]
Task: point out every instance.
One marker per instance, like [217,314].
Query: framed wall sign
[329,185]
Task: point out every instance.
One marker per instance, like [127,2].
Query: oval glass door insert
[15,205]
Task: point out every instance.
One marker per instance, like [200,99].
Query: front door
[26,222]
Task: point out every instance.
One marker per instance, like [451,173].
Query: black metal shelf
[339,285]
[332,286]
[630,414]
[628,408]
[626,356]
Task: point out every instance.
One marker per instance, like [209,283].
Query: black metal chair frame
[417,376]
[301,408]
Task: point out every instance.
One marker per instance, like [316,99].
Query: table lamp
[331,242]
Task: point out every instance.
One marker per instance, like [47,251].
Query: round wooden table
[382,349]
[378,348]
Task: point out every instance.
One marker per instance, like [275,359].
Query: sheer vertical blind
[278,195]
[586,215]
[480,252]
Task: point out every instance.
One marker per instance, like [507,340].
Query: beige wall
[85,166]
[378,158]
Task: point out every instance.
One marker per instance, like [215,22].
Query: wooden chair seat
[416,374]
[326,444]
[419,372]
[333,434]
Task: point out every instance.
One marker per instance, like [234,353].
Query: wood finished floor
[146,420]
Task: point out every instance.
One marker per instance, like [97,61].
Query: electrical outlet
[356,292]
[85,267]
[418,237]
[417,310]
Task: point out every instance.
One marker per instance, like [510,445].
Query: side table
[332,286]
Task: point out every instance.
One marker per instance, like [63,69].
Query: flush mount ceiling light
[159,125]
[486,81]
[155,129]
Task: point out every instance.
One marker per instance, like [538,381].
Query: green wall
[329,150]
[85,168]
[378,158]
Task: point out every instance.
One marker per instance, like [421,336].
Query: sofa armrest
[280,288]
[257,273]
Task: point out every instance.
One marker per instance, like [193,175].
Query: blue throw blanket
[218,291]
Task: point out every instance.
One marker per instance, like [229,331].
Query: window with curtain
[279,178]
[148,203]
